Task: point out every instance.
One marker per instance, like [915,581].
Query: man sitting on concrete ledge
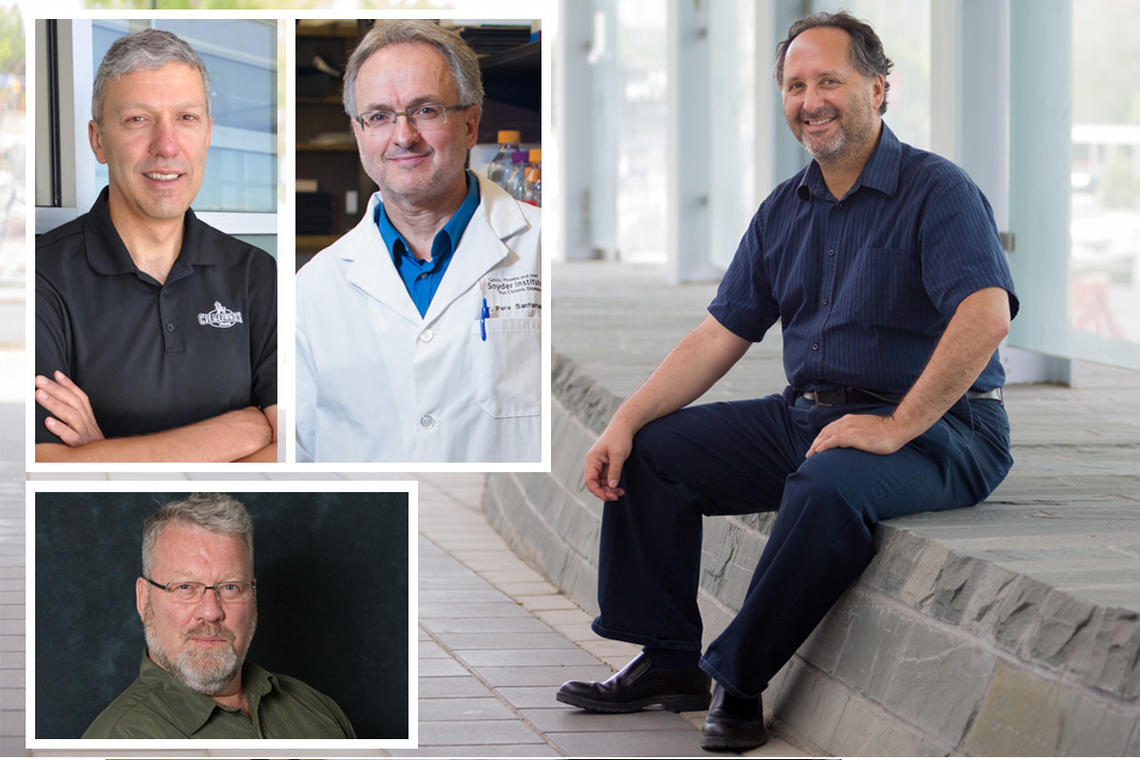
[884,266]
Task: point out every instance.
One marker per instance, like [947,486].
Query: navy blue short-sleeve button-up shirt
[864,286]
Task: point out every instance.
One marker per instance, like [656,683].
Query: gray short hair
[215,512]
[146,49]
[460,57]
[867,55]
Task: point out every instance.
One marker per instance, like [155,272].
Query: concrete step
[1009,628]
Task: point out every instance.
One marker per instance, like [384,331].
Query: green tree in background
[11,41]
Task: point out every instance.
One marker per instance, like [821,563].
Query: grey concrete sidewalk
[11,580]
[496,641]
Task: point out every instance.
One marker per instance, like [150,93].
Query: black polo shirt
[153,357]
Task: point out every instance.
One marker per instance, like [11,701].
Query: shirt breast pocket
[508,365]
[886,287]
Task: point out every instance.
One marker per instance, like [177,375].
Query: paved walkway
[11,576]
[496,641]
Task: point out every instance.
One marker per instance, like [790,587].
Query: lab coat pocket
[508,365]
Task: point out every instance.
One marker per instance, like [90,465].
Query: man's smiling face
[413,166]
[831,108]
[154,136]
[204,643]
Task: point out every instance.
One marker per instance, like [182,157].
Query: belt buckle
[813,396]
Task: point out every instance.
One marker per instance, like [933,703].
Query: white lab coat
[376,382]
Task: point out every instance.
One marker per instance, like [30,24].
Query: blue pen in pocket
[484,314]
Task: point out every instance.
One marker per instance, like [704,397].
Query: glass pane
[641,179]
[733,73]
[1104,264]
[241,56]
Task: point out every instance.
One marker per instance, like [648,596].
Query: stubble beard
[426,190]
[207,673]
[854,127]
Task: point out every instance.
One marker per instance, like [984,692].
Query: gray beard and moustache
[837,142]
[204,672]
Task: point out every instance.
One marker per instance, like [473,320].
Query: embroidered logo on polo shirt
[220,317]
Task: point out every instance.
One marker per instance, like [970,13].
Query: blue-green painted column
[579,108]
[689,146]
[983,99]
[1039,166]
[788,157]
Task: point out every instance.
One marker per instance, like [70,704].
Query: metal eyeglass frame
[407,114]
[205,588]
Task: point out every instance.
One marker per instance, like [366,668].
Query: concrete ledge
[1010,628]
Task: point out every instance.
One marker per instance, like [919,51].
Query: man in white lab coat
[418,332]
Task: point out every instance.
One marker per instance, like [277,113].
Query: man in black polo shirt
[156,335]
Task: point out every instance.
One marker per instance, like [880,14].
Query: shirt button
[814,346]
[826,301]
[170,327]
[831,252]
[427,422]
[427,335]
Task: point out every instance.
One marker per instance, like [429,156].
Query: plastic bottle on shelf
[499,170]
[532,189]
[517,179]
[533,192]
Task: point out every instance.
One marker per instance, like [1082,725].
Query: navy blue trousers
[748,456]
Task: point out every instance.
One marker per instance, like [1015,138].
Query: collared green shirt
[159,706]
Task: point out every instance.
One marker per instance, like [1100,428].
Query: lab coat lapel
[479,250]
[371,269]
[482,246]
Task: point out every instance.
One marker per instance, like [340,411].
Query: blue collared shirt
[422,278]
[865,285]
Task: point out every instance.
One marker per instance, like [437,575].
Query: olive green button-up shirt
[159,706]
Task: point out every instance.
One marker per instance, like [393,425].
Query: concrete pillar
[788,157]
[1040,55]
[688,147]
[572,124]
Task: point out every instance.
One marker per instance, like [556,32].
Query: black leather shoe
[733,724]
[640,685]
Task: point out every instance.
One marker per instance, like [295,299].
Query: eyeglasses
[191,592]
[422,117]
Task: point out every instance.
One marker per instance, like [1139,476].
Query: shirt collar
[446,240]
[881,172]
[188,710]
[107,254]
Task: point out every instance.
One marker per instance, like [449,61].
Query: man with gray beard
[197,598]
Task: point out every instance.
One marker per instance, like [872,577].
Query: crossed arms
[242,435]
[703,356]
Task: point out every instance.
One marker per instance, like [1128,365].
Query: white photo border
[264,747]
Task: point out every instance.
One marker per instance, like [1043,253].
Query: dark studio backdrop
[332,574]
